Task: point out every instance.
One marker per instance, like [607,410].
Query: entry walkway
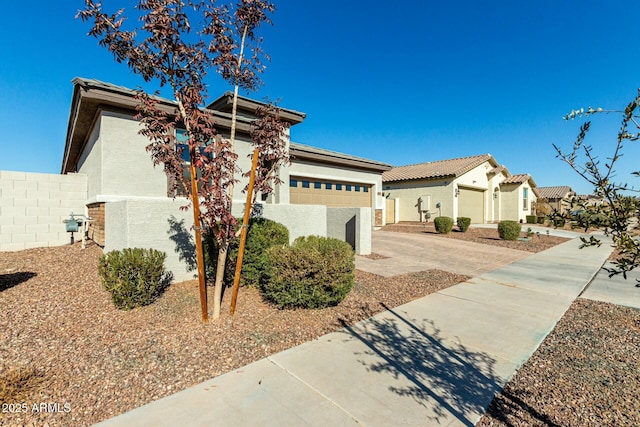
[438,360]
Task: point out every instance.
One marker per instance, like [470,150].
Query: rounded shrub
[133,277]
[314,272]
[262,234]
[463,223]
[443,224]
[509,230]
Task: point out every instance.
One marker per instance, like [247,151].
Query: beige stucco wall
[430,191]
[118,166]
[512,202]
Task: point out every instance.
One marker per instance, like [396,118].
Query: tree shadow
[447,377]
[184,241]
[509,407]
[10,280]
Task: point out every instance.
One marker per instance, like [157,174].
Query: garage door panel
[331,197]
[471,204]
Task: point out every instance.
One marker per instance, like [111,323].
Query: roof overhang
[318,155]
[92,96]
[225,104]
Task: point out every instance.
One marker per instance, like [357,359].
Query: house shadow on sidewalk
[447,379]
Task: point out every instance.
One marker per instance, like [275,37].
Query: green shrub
[463,223]
[532,219]
[314,272]
[540,220]
[134,277]
[443,224]
[558,222]
[262,234]
[509,230]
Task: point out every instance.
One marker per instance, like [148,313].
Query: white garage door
[471,204]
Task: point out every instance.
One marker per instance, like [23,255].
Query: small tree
[164,48]
[620,209]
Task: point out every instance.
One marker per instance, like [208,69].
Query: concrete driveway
[409,253]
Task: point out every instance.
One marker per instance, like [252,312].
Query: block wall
[33,207]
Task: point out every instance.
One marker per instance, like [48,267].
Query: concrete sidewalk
[438,360]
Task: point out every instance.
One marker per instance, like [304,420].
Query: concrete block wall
[33,207]
[353,225]
[160,224]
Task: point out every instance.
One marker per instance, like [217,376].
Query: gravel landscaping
[487,236]
[65,349]
[64,345]
[585,373]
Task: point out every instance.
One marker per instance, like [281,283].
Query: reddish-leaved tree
[164,48]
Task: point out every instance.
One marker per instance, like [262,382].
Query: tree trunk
[223,246]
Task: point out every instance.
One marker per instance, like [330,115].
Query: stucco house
[132,203]
[477,187]
[518,195]
[556,198]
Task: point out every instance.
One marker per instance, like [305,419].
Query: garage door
[471,204]
[305,191]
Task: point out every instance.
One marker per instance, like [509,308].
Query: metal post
[243,236]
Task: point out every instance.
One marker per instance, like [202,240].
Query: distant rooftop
[437,169]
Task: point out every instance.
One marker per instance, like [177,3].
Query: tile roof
[437,169]
[557,192]
[499,169]
[518,179]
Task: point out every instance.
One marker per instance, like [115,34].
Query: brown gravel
[487,236]
[62,343]
[585,373]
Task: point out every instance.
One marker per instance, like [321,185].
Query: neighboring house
[133,205]
[557,198]
[476,187]
[518,197]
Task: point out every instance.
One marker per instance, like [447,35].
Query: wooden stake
[243,235]
[199,251]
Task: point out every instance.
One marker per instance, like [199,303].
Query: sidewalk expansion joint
[318,392]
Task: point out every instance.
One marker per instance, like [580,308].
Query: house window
[317,185]
[525,199]
[293,183]
[357,188]
[182,144]
[366,189]
[328,185]
[339,187]
[306,184]
[347,187]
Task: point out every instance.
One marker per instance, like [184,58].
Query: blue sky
[401,82]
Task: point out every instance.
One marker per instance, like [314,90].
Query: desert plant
[263,233]
[532,219]
[463,223]
[314,272]
[509,230]
[133,277]
[443,224]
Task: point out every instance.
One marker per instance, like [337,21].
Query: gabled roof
[499,169]
[307,152]
[557,192]
[438,169]
[519,179]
